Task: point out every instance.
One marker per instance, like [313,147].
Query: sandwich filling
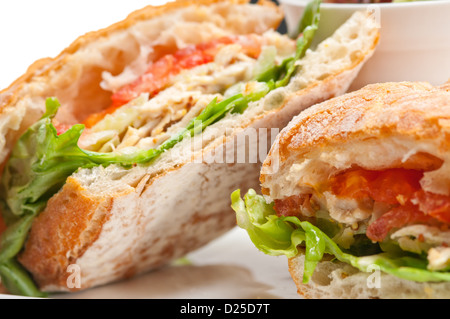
[178,96]
[362,217]
[176,88]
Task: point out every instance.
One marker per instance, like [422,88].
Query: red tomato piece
[159,73]
[382,186]
[399,187]
[392,183]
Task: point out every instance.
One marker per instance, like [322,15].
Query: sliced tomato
[398,187]
[397,217]
[159,73]
[391,186]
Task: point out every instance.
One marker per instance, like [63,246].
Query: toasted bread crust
[414,109]
[53,242]
[376,110]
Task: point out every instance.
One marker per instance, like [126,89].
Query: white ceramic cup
[414,38]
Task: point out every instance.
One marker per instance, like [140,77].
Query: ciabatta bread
[337,280]
[381,126]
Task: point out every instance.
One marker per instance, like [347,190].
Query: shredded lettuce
[282,235]
[280,75]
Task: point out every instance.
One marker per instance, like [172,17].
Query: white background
[34,29]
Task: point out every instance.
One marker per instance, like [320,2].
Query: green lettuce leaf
[17,280]
[280,75]
[281,235]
